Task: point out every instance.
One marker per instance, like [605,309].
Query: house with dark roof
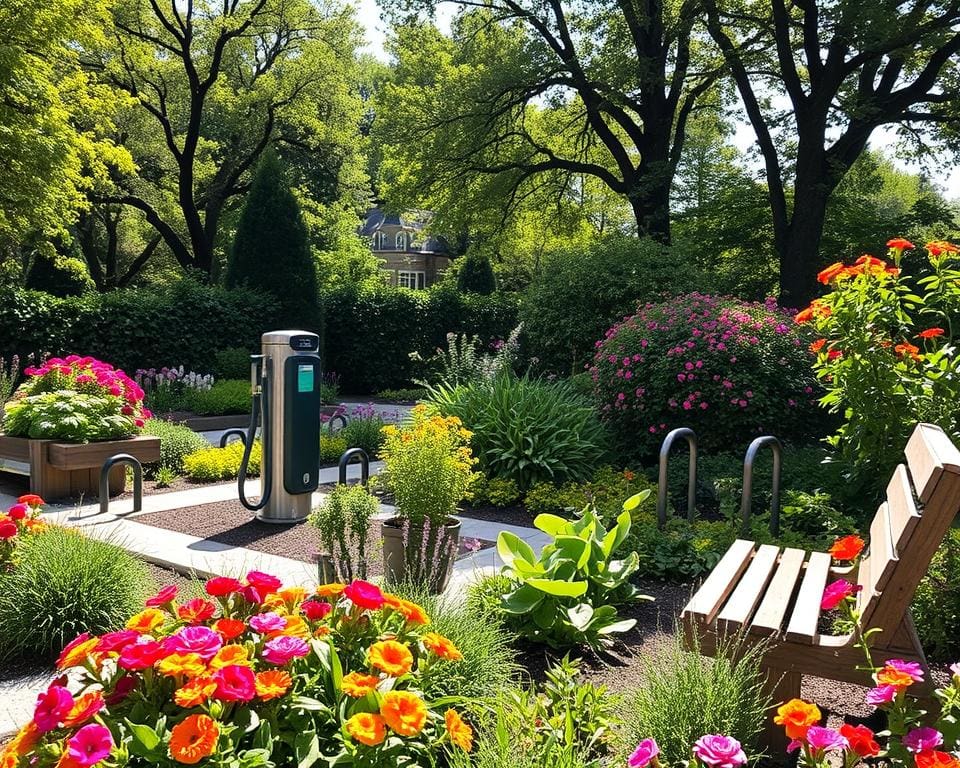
[409,256]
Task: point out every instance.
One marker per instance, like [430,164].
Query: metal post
[228,433]
[747,501]
[121,458]
[691,438]
[349,456]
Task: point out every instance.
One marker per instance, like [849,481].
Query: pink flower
[826,739]
[284,648]
[90,745]
[955,669]
[18,511]
[837,592]
[141,655]
[364,595]
[234,683]
[202,641]
[911,668]
[166,595]
[645,754]
[267,622]
[719,751]
[264,583]
[115,641]
[882,694]
[52,706]
[922,739]
[315,610]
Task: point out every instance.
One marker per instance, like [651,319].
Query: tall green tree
[271,250]
[845,68]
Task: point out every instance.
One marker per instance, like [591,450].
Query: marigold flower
[85,707]
[272,683]
[460,733]
[182,665]
[330,590]
[817,345]
[193,739]
[847,548]
[146,621]
[931,333]
[936,759]
[296,627]
[196,610]
[404,712]
[367,728]
[441,646]
[230,629]
[292,596]
[195,692]
[391,657]
[26,739]
[796,716]
[230,654]
[358,685]
[411,612]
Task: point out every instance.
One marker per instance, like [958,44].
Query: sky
[368,13]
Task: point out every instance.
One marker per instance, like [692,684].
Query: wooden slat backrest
[806,611]
[934,464]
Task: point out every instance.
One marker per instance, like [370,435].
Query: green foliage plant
[364,430]
[343,523]
[229,396]
[568,595]
[681,550]
[684,695]
[210,464]
[465,362]
[65,583]
[164,476]
[885,353]
[59,275]
[494,492]
[476,275]
[527,430]
[605,491]
[9,374]
[728,369]
[936,603]
[404,395]
[176,442]
[332,447]
[231,363]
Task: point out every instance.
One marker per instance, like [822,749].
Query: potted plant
[343,523]
[428,470]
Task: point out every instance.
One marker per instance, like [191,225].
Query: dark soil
[516,515]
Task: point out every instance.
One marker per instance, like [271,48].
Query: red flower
[17,511]
[817,345]
[860,737]
[31,500]
[221,586]
[314,610]
[166,595]
[847,548]
[931,333]
[235,683]
[364,595]
[941,247]
[833,354]
[907,350]
[230,629]
[196,610]
[8,529]
[899,244]
[931,758]
[831,272]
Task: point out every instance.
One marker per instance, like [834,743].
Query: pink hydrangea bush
[76,398]
[731,370]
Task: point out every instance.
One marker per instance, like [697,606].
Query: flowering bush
[885,352]
[253,675]
[731,370]
[79,399]
[713,750]
[21,519]
[167,388]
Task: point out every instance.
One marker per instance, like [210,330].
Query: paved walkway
[190,554]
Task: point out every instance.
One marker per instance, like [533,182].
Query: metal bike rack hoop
[110,463]
[350,455]
[336,417]
[228,433]
[746,502]
[691,437]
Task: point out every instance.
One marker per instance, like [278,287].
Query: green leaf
[559,588]
[306,748]
[618,626]
[511,547]
[522,600]
[144,737]
[635,501]
[552,525]
[580,615]
[573,548]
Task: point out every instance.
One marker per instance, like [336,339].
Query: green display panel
[305,378]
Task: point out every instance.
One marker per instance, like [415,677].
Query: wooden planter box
[69,469]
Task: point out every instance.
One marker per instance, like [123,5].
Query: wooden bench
[773,593]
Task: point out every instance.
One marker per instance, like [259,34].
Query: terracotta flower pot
[420,554]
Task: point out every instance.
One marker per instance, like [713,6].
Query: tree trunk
[650,201]
[800,252]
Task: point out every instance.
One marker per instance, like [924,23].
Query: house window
[401,241]
[380,241]
[413,280]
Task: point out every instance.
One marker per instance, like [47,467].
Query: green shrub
[231,363]
[606,491]
[681,551]
[489,659]
[364,429]
[685,695]
[578,293]
[936,604]
[332,447]
[408,395]
[494,492]
[476,275]
[343,521]
[164,477]
[59,275]
[209,464]
[65,584]
[730,370]
[527,430]
[229,396]
[176,442]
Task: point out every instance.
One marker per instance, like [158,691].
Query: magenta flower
[264,583]
[234,683]
[52,706]
[200,640]
[882,694]
[645,754]
[166,595]
[283,649]
[315,610]
[117,641]
[90,745]
[267,622]
[922,739]
[837,592]
[719,751]
[826,739]
[911,668]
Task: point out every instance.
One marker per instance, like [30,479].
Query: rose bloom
[314,610]
[837,592]
[825,739]
[193,739]
[53,705]
[358,685]
[267,622]
[882,694]
[459,732]
[895,678]
[196,610]
[8,530]
[922,739]
[230,629]
[200,640]
[404,712]
[284,649]
[861,739]
[796,716]
[391,657]
[116,641]
[645,753]
[89,745]
[367,728]
[364,595]
[166,595]
[719,751]
[221,586]
[17,511]
[272,684]
[264,583]
[847,548]
[31,500]
[235,683]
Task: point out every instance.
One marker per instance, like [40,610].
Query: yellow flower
[391,657]
[185,664]
[146,621]
[296,627]
[358,685]
[367,728]
[460,733]
[330,590]
[195,692]
[236,655]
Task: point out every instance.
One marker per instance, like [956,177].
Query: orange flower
[195,692]
[182,664]
[907,350]
[941,248]
[796,716]
[391,657]
[230,629]
[441,646]
[895,677]
[628,475]
[358,685]
[193,739]
[296,627]
[899,244]
[292,596]
[831,272]
[26,739]
[146,621]
[405,713]
[367,728]
[411,612]
[322,632]
[816,309]
[231,654]
[931,333]
[272,683]
[76,653]
[847,548]
[85,707]
[931,758]
[460,733]
[330,590]
[817,345]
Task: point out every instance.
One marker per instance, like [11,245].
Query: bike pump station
[285,389]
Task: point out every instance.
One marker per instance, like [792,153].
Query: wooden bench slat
[768,619]
[806,612]
[904,515]
[883,556]
[740,605]
[703,606]
[929,452]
